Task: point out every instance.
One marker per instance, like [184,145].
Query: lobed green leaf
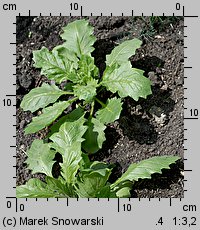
[68,143]
[35,188]
[87,69]
[86,92]
[49,114]
[110,112]
[123,52]
[123,189]
[69,57]
[55,66]
[126,81]
[79,37]
[60,187]
[93,182]
[71,163]
[73,116]
[40,158]
[40,97]
[106,192]
[70,133]
[94,136]
[97,167]
[146,168]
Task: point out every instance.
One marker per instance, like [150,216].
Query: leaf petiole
[100,89]
[72,100]
[92,109]
[100,102]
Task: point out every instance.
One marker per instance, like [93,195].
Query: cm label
[189,208]
[9,6]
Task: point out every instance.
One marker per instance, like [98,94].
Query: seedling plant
[78,134]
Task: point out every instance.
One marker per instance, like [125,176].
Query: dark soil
[146,128]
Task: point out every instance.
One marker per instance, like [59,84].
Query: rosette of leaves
[72,63]
[81,132]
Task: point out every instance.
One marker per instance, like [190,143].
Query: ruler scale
[154,213]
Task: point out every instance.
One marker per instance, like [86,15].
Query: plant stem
[100,102]
[72,100]
[100,89]
[92,109]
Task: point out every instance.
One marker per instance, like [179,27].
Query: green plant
[81,132]
[156,24]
